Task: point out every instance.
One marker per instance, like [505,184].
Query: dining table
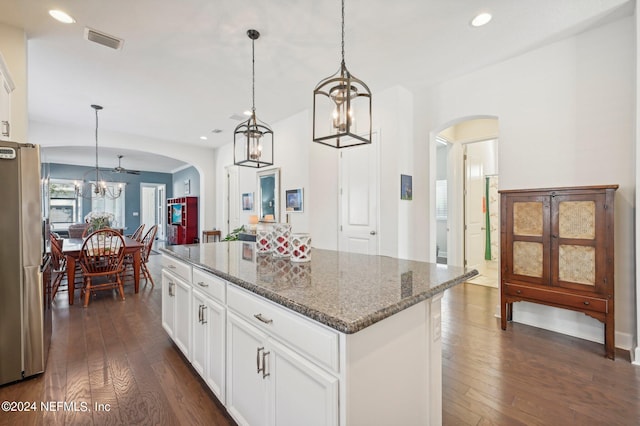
[72,247]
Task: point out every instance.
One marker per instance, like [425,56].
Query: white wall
[314,167]
[566,114]
[13,46]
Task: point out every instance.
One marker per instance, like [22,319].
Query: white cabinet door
[168,302]
[182,316]
[299,392]
[208,342]
[246,386]
[199,333]
[214,319]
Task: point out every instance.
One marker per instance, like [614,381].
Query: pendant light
[342,108]
[253,139]
[98,188]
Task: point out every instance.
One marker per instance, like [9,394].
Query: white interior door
[359,189]
[232,210]
[474,213]
[152,207]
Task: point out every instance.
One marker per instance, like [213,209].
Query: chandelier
[339,102]
[98,188]
[253,139]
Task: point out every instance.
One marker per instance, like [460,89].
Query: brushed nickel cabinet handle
[264,365]
[171,284]
[518,291]
[263,319]
[202,284]
[258,359]
[586,302]
[204,321]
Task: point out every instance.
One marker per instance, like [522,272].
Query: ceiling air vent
[103,38]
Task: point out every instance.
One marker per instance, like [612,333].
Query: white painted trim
[4,70]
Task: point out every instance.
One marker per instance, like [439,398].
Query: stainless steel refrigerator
[24,318]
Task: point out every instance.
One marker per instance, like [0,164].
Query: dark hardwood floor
[117,353]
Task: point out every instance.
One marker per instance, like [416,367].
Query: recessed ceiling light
[61,16]
[216,131]
[481,19]
[204,138]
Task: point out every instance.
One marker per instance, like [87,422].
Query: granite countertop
[345,291]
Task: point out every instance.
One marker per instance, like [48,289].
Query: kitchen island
[344,339]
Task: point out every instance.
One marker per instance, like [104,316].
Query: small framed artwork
[247,251]
[187,187]
[406,187]
[294,200]
[247,201]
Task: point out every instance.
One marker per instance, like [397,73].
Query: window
[115,207]
[64,206]
[441,200]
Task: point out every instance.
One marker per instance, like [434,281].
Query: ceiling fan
[121,169]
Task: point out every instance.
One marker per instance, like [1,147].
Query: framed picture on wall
[294,200]
[187,187]
[406,187]
[247,201]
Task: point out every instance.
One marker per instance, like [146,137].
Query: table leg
[71,276]
[136,270]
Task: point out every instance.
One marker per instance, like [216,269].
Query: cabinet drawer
[558,298]
[173,265]
[305,336]
[210,284]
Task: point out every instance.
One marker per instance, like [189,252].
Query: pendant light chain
[343,33]
[253,76]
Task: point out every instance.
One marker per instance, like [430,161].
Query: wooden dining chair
[145,251]
[148,240]
[137,235]
[59,272]
[102,263]
[58,264]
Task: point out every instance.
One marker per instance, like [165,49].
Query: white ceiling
[185,67]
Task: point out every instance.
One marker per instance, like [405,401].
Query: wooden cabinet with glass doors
[557,249]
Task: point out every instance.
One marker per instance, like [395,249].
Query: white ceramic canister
[300,247]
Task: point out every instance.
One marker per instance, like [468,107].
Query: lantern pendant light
[253,139]
[342,108]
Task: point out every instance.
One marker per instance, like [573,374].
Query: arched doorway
[465,220]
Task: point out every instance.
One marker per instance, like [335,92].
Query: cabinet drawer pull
[263,319]
[586,302]
[171,267]
[518,291]
[202,284]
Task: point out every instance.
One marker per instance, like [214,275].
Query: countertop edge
[321,317]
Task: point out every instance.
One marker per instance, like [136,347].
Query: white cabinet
[246,384]
[6,87]
[269,383]
[176,303]
[208,341]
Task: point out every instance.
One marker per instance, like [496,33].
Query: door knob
[372,232]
